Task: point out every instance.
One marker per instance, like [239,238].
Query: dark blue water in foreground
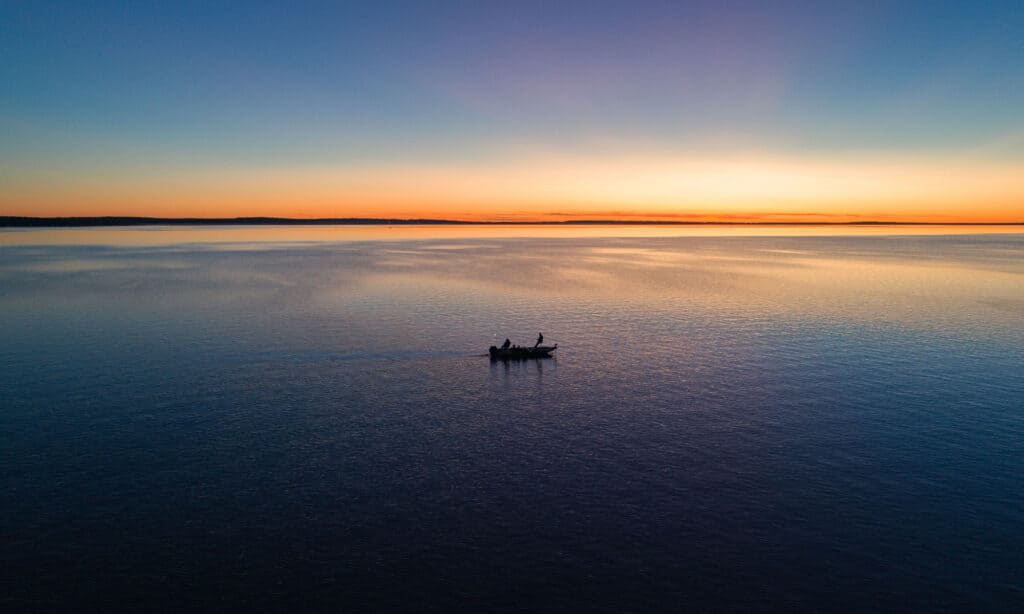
[731,422]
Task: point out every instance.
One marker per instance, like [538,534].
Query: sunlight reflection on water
[256,416]
[268,235]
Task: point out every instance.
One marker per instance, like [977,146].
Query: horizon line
[87,221]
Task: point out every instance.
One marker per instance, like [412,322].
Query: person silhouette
[506,345]
[540,339]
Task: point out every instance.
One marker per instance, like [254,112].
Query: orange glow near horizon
[551,188]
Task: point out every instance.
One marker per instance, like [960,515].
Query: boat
[522,353]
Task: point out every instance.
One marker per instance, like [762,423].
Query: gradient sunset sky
[759,111]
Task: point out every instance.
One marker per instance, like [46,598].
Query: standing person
[540,339]
[506,345]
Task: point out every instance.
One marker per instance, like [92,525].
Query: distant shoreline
[81,222]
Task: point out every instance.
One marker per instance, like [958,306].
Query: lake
[306,418]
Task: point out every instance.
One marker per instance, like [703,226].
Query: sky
[514,111]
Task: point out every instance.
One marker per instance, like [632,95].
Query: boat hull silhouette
[524,353]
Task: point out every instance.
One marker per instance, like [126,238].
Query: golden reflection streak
[270,235]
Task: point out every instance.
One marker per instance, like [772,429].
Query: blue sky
[99,86]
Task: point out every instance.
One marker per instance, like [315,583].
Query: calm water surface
[273,417]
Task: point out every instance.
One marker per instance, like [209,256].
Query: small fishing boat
[522,353]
